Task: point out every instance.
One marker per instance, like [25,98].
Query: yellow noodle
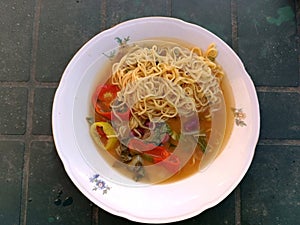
[160,82]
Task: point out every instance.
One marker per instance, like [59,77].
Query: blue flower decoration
[99,184]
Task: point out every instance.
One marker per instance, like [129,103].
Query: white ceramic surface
[155,203]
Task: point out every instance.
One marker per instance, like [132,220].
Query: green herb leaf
[90,120]
[202,142]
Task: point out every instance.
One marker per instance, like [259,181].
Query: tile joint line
[28,136]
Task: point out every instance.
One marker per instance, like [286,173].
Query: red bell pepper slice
[140,145]
[102,98]
[159,153]
[156,154]
[101,132]
[172,163]
[105,93]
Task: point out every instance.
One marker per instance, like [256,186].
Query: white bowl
[150,203]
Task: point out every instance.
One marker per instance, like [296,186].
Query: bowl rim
[66,163]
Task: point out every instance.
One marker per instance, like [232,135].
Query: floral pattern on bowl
[99,184]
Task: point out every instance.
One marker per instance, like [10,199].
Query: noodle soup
[161,114]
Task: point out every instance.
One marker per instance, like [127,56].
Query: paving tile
[223,213]
[13,110]
[11,164]
[280,113]
[271,26]
[64,27]
[41,121]
[119,11]
[204,14]
[15,39]
[270,190]
[53,198]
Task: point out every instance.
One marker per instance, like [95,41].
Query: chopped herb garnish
[201,141]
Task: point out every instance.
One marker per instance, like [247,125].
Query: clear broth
[192,165]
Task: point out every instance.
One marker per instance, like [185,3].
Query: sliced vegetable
[174,135]
[124,153]
[156,154]
[201,140]
[102,98]
[136,166]
[104,129]
[159,133]
[140,145]
[90,120]
[174,138]
[172,163]
[168,160]
[105,93]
